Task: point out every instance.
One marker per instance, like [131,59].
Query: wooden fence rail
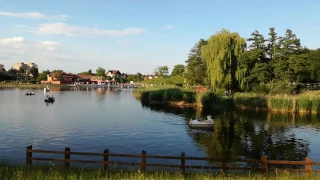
[143,164]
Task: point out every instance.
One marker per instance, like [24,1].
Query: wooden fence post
[308,167]
[29,155]
[67,157]
[143,160]
[264,165]
[105,158]
[183,162]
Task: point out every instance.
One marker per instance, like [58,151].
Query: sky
[137,35]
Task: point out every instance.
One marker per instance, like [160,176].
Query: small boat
[197,123]
[30,93]
[46,89]
[49,98]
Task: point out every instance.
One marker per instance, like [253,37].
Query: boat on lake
[30,93]
[46,89]
[49,98]
[197,123]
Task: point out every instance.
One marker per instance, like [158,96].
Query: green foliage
[252,101]
[4,77]
[281,103]
[221,55]
[43,76]
[230,63]
[173,80]
[196,73]
[21,70]
[162,71]
[57,172]
[304,104]
[100,71]
[35,72]
[178,70]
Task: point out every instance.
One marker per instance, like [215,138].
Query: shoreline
[305,103]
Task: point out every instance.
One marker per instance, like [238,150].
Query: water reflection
[248,135]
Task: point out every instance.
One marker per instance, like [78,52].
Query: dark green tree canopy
[178,70]
[101,72]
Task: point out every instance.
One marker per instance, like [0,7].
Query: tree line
[228,61]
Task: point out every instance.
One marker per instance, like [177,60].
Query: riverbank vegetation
[307,102]
[181,97]
[55,173]
[267,73]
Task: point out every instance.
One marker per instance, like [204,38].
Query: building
[2,70]
[25,67]
[53,78]
[114,74]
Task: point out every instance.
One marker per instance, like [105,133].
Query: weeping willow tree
[221,55]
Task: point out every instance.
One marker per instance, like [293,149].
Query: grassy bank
[308,102]
[181,97]
[55,173]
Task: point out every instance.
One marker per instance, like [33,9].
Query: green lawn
[55,173]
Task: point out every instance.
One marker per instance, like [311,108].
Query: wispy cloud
[22,44]
[123,42]
[169,27]
[35,15]
[70,30]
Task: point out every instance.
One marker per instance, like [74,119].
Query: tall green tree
[43,75]
[178,70]
[221,55]
[34,71]
[162,71]
[196,73]
[100,71]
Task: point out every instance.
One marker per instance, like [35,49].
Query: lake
[94,119]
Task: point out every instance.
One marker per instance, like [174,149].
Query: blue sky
[137,35]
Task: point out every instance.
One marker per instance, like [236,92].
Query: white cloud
[169,27]
[35,15]
[69,30]
[21,43]
[12,40]
[47,54]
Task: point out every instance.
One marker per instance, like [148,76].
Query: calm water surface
[96,119]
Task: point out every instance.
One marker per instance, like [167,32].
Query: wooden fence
[264,162]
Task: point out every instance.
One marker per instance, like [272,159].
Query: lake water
[94,119]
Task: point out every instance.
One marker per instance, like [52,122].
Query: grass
[180,96]
[307,102]
[57,173]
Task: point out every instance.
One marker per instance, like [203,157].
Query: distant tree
[90,71]
[178,70]
[12,71]
[85,72]
[101,72]
[21,70]
[35,72]
[43,76]
[139,77]
[162,71]
[196,66]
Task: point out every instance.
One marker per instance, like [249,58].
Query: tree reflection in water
[246,135]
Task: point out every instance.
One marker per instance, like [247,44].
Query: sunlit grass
[55,173]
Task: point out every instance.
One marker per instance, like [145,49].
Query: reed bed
[307,102]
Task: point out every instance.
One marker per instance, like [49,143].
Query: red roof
[113,71]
